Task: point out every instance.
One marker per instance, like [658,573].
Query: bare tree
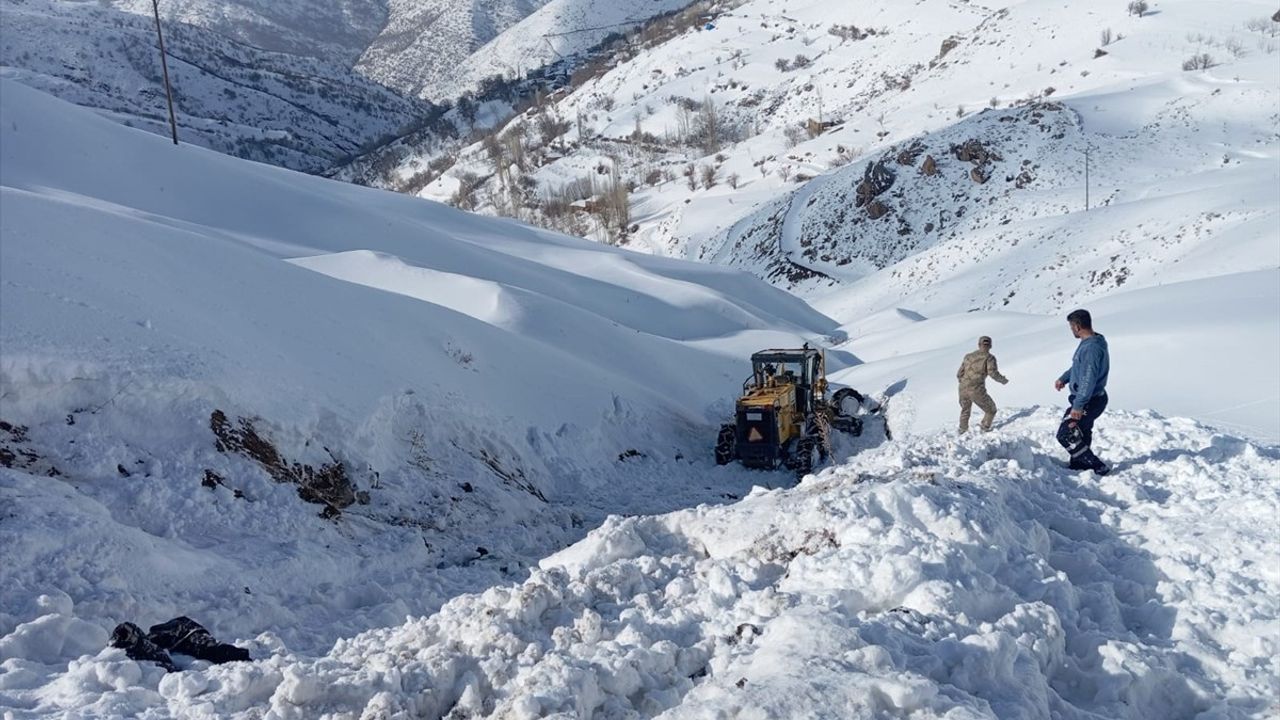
[709,126]
[497,154]
[684,123]
[613,205]
[513,145]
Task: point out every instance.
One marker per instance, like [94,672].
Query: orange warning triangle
[754,436]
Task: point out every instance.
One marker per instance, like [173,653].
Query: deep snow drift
[928,578]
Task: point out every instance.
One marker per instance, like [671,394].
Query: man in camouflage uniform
[973,373]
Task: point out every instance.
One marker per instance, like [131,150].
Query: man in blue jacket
[1087,379]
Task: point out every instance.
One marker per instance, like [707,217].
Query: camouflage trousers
[970,396]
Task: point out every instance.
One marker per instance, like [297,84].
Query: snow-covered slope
[296,111]
[494,389]
[558,30]
[334,30]
[991,212]
[425,44]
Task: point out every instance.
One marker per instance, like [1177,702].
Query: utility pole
[164,66]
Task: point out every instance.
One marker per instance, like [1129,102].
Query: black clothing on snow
[136,645]
[180,635]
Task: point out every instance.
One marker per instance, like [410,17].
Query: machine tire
[726,445]
[837,400]
[848,424]
[808,455]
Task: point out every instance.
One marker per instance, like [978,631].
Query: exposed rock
[1276,17]
[975,152]
[877,209]
[979,175]
[909,155]
[1024,179]
[930,166]
[947,46]
[16,452]
[875,179]
[1099,53]
[327,485]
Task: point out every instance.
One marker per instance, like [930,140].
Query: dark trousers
[1077,435]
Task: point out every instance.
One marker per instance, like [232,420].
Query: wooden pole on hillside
[164,66]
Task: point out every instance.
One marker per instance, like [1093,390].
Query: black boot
[1078,464]
[1089,461]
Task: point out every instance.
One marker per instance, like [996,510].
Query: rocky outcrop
[909,155]
[876,179]
[974,151]
[326,485]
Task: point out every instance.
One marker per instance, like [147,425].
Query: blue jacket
[1090,366]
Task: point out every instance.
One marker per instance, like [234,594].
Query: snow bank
[930,578]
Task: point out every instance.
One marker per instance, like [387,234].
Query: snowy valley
[421,462]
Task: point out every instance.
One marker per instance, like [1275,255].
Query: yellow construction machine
[784,417]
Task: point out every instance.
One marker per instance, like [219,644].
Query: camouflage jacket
[977,367]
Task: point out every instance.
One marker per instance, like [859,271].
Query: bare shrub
[708,174]
[550,127]
[1199,61]
[1107,37]
[846,32]
[733,180]
[1138,7]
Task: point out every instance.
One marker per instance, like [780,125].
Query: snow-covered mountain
[303,85]
[744,140]
[424,44]
[292,110]
[330,30]
[558,31]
